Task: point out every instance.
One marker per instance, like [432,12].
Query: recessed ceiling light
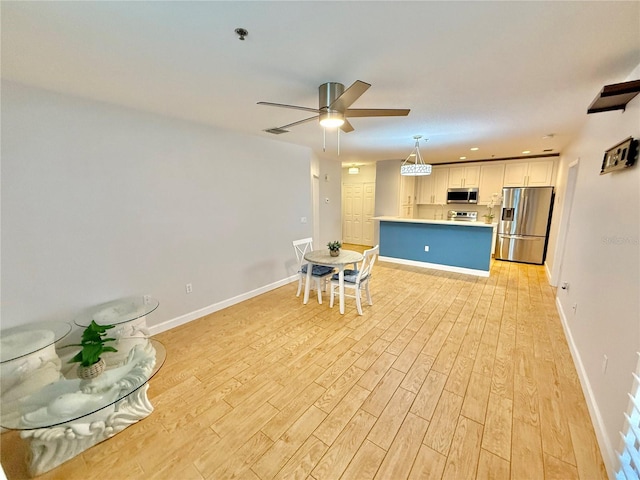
[463,158]
[526,151]
[474,148]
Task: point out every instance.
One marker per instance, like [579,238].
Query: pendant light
[417,167]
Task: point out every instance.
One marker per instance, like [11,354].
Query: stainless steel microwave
[462,195]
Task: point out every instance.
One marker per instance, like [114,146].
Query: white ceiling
[492,75]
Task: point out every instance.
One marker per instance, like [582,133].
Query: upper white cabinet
[529,174]
[491,176]
[467,177]
[407,196]
[432,189]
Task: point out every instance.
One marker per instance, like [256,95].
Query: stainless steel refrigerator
[523,229]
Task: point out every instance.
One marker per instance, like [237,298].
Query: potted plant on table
[334,248]
[93,345]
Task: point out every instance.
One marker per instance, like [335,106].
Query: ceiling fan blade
[377,112]
[294,107]
[346,126]
[349,96]
[299,122]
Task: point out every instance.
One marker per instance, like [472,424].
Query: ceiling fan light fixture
[331,119]
[417,169]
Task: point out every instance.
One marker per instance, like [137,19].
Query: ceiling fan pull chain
[324,139]
[338,130]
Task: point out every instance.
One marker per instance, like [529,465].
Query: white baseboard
[548,273]
[610,456]
[189,317]
[435,266]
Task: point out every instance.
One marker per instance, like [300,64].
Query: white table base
[320,257]
[307,287]
[53,446]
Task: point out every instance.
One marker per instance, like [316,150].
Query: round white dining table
[322,257]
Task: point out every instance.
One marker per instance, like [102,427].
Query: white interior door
[358,207]
[358,201]
[347,213]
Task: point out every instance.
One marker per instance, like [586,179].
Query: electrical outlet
[426,248]
[303,219]
[146,299]
[189,288]
[605,362]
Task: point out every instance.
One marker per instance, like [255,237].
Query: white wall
[387,187]
[602,266]
[101,202]
[387,192]
[331,210]
[367,174]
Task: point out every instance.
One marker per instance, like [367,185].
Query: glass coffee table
[65,417]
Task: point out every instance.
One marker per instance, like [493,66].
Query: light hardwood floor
[445,376]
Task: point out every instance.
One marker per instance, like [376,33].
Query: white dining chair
[357,279]
[320,273]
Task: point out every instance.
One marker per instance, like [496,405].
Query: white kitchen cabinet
[424,187]
[529,174]
[441,183]
[491,178]
[540,173]
[466,177]
[432,189]
[407,196]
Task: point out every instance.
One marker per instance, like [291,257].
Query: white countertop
[458,223]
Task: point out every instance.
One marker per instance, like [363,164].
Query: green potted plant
[93,345]
[334,248]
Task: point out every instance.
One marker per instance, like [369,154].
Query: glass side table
[129,317]
[29,360]
[64,418]
[24,340]
[117,312]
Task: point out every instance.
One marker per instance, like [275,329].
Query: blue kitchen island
[455,246]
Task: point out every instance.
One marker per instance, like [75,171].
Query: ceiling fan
[333,107]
